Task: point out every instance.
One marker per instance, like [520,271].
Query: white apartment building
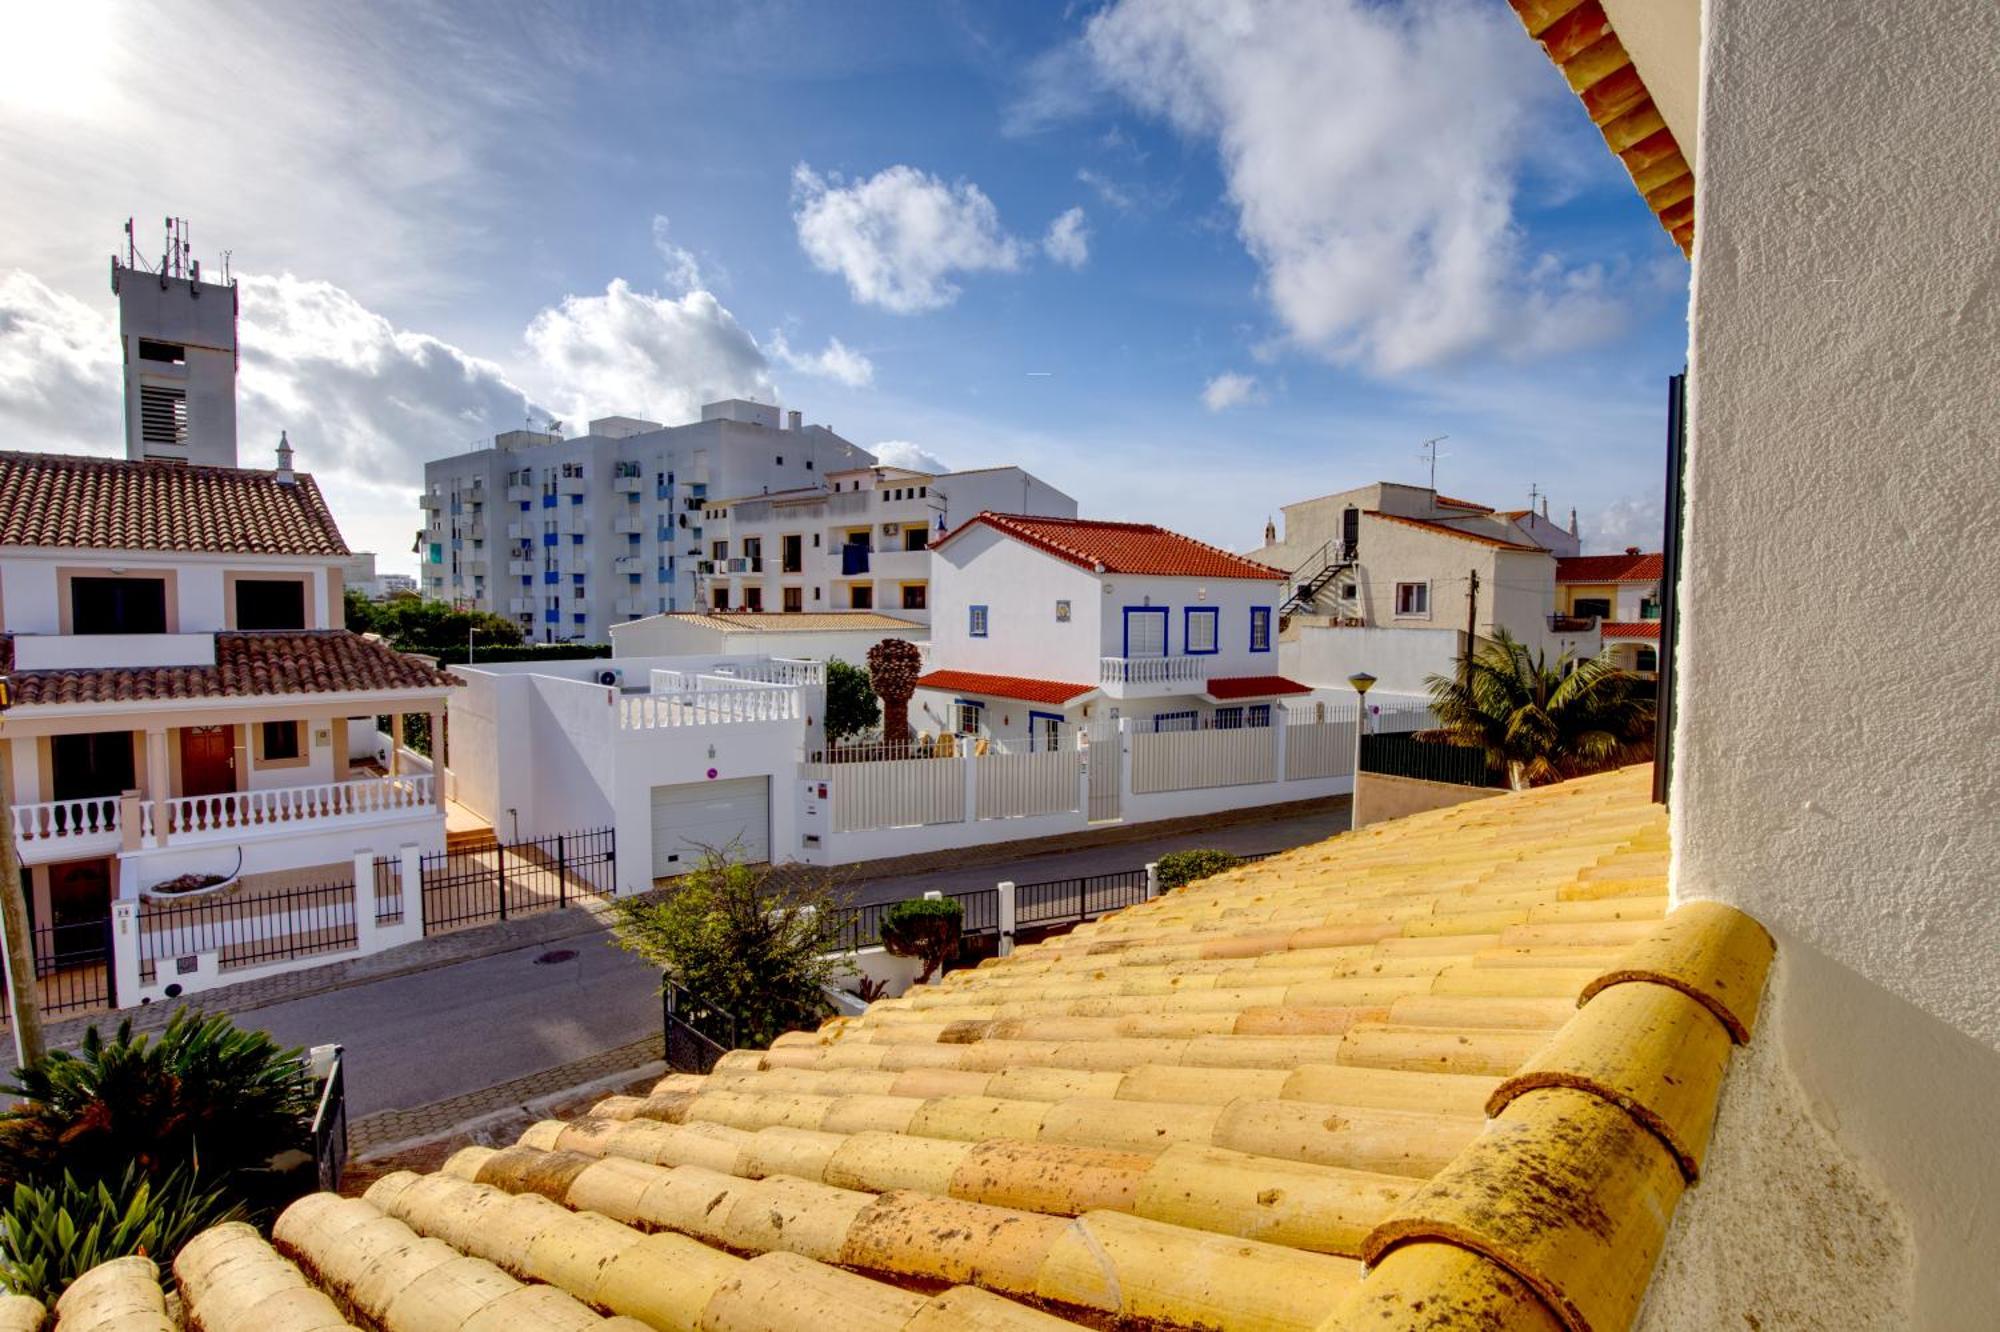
[857,540]
[567,537]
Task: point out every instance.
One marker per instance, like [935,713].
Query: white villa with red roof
[1041,625]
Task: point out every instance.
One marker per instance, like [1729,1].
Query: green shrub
[926,928]
[851,705]
[204,1097]
[1179,868]
[52,1234]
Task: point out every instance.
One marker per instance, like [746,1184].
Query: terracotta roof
[49,499]
[1451,503]
[1119,548]
[1003,686]
[1627,568]
[247,665]
[1445,529]
[1468,1047]
[1647,629]
[1578,38]
[786,622]
[1254,686]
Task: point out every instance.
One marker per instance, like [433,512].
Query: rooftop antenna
[1534,493]
[1429,452]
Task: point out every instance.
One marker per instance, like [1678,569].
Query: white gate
[1106,763]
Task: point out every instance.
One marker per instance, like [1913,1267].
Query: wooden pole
[22,990]
[1471,629]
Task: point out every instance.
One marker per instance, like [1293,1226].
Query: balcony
[476,565]
[908,565]
[431,502]
[53,830]
[628,485]
[476,529]
[572,485]
[521,494]
[1572,624]
[521,605]
[628,524]
[630,606]
[521,531]
[521,568]
[628,564]
[1148,677]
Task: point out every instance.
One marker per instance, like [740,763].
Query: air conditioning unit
[611,677]
[892,529]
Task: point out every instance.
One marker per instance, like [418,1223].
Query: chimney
[1572,520]
[1631,550]
[1545,508]
[285,476]
[795,421]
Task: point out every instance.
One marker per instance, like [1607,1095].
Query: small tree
[1540,723]
[926,928]
[755,940]
[893,666]
[851,707]
[1179,868]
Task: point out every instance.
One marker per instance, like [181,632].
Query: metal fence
[697,1033]
[329,1127]
[1430,760]
[249,929]
[72,967]
[1066,901]
[861,926]
[388,890]
[497,882]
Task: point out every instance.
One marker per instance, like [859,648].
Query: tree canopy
[416,625]
[851,707]
[1541,723]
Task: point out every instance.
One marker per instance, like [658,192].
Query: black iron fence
[697,1032]
[1066,901]
[329,1126]
[73,971]
[861,926]
[388,890]
[248,929]
[500,882]
[1430,760]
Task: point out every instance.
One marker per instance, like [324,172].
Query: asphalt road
[418,1038]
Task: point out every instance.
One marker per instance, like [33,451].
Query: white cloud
[837,361]
[1370,153]
[1068,239]
[899,236]
[902,453]
[1229,389]
[1059,84]
[1109,190]
[653,356]
[1625,522]
[679,268]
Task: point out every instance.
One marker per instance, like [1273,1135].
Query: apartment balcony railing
[629,606]
[475,565]
[1163,674]
[707,707]
[521,568]
[522,531]
[476,529]
[521,605]
[628,485]
[628,564]
[572,485]
[627,523]
[1572,624]
[72,822]
[521,494]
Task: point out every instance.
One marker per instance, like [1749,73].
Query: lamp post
[1362,682]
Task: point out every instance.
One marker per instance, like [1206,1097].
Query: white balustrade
[709,705]
[289,806]
[1153,670]
[53,819]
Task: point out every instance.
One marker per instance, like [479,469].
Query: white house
[856,541]
[1044,624]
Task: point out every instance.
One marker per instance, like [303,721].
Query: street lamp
[1362,682]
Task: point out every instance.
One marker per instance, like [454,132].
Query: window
[792,553]
[1229,719]
[169,353]
[163,414]
[282,741]
[721,598]
[781,460]
[967,713]
[861,597]
[914,596]
[916,538]
[976,621]
[1198,631]
[1260,628]
[1413,598]
[1347,591]
[95,763]
[118,605]
[270,603]
[1145,631]
[1260,714]
[1647,660]
[1598,606]
[753,598]
[795,598]
[718,550]
[1044,732]
[1174,721]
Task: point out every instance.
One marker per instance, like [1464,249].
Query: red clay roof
[247,665]
[1120,548]
[1451,503]
[53,499]
[1004,686]
[1578,38]
[1648,629]
[1642,568]
[1444,529]
[1254,686]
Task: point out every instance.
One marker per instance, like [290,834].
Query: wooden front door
[208,760]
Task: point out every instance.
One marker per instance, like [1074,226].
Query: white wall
[1019,586]
[1841,490]
[1232,598]
[1399,659]
[30,589]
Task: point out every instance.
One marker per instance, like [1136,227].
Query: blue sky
[1186,260]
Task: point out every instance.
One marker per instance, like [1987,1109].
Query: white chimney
[795,421]
[285,477]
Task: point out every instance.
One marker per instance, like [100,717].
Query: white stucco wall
[30,586]
[1019,586]
[1846,344]
[1399,659]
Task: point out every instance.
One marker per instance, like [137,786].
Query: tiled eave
[1578,38]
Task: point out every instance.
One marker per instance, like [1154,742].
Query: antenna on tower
[1534,493]
[1428,450]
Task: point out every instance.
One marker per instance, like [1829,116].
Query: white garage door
[710,814]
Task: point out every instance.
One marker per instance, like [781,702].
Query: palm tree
[1540,723]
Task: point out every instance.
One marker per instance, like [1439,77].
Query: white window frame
[1422,589]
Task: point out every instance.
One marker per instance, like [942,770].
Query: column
[159,780]
[395,744]
[438,756]
[1006,914]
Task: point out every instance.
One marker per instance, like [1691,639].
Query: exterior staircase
[1311,577]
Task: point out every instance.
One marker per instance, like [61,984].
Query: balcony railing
[1153,670]
[1572,624]
[55,828]
[707,707]
[77,820]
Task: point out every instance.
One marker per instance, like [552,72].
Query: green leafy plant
[1179,868]
[52,1234]
[416,625]
[756,940]
[926,928]
[203,1096]
[851,707]
[1541,723]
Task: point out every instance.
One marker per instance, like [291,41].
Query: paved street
[425,1036]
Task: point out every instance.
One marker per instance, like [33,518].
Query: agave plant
[204,1096]
[1540,723]
[51,1235]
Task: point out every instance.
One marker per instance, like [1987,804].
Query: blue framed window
[966,715]
[1260,715]
[551,616]
[576,499]
[975,621]
[1260,628]
[1044,731]
[549,501]
[1145,631]
[551,576]
[527,580]
[1174,721]
[548,538]
[576,579]
[1229,719]
[1199,634]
